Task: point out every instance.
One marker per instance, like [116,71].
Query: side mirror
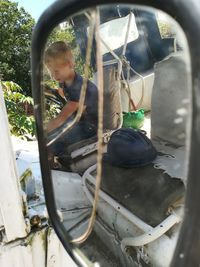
[123,58]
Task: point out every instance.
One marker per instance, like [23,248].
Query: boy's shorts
[80,131]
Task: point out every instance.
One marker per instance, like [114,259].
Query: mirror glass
[117,98]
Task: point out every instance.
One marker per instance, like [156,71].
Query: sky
[34,7]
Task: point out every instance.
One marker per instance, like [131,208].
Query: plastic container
[133,119]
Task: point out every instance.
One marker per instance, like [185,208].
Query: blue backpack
[130,148]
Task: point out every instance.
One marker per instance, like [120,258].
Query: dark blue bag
[130,148]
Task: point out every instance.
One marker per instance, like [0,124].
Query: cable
[84,237]
[127,33]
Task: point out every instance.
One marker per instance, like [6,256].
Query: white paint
[10,198]
[114,32]
[57,256]
[178,120]
[136,92]
[173,161]
[147,126]
[33,251]
[38,248]
[18,256]
[153,234]
[1,220]
[182,111]
[68,190]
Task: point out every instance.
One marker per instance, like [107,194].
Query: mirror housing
[190,230]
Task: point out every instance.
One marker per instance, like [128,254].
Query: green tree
[15,37]
[19,110]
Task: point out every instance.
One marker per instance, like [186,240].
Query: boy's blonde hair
[60,50]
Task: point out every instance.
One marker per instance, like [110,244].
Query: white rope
[127,33]
[143,87]
[84,237]
[114,55]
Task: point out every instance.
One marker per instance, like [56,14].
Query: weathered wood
[10,199]
[57,256]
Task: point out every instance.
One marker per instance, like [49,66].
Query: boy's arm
[65,113]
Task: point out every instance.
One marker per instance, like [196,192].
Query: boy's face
[60,69]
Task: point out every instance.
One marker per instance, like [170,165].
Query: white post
[11,213]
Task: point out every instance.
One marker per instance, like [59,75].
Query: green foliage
[15,37]
[165,29]
[51,83]
[63,33]
[18,105]
[52,110]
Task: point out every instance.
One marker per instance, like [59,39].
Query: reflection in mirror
[145,85]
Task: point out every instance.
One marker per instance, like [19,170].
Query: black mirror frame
[187,13]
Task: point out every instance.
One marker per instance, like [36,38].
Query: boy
[59,61]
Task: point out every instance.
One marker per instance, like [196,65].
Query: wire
[84,237]
[125,62]
[114,55]
[128,91]
[127,33]
[143,86]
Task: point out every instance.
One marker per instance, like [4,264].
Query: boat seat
[81,155]
[147,192]
[170,96]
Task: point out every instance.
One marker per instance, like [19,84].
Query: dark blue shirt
[72,93]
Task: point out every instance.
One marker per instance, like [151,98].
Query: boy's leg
[80,131]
